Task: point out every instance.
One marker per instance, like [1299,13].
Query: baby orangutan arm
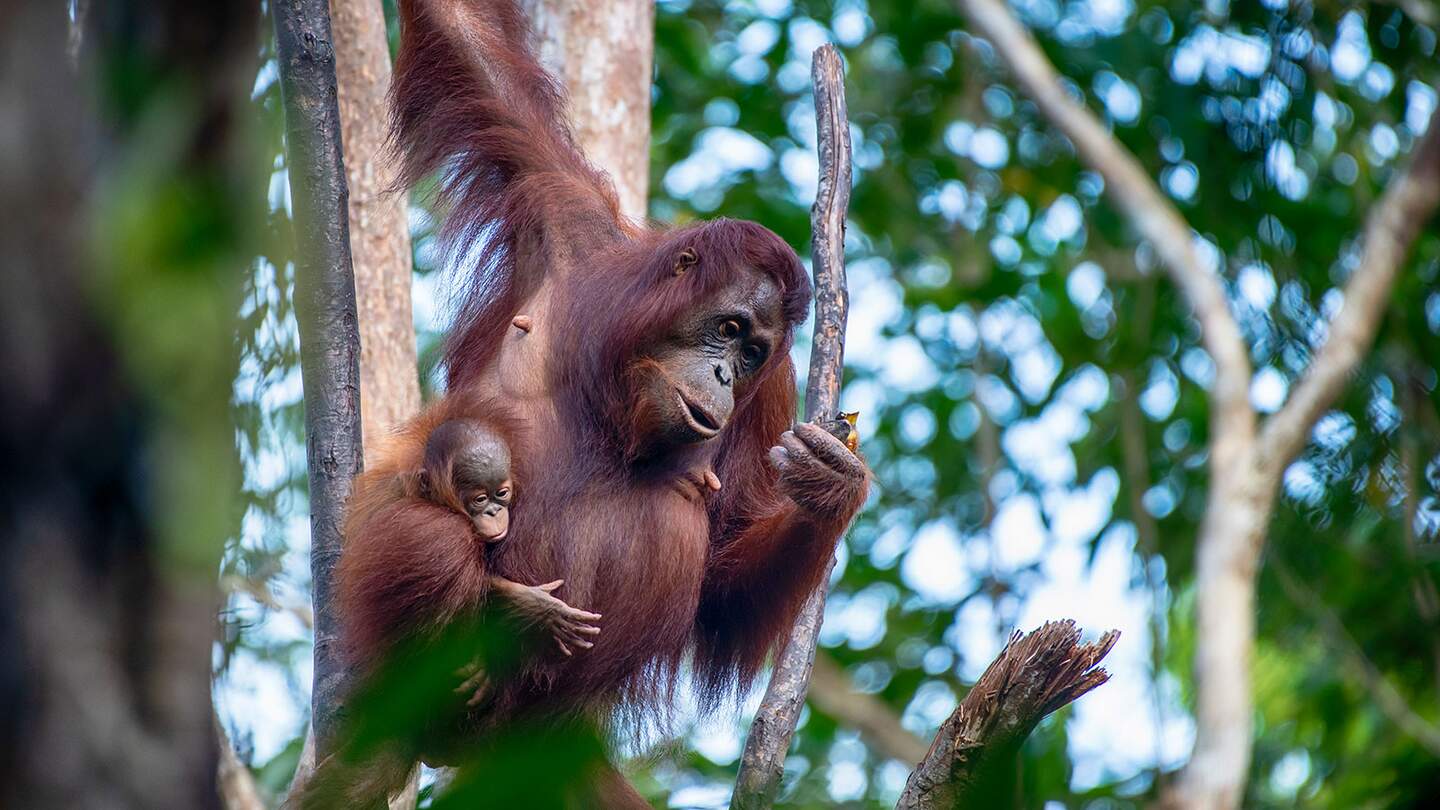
[534,608]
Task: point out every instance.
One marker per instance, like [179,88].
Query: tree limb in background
[1390,230]
[1245,465]
[762,763]
[972,760]
[1134,193]
[1386,697]
[832,693]
[118,467]
[325,306]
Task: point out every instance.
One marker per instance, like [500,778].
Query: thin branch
[763,761]
[1136,458]
[238,790]
[1136,195]
[1390,231]
[832,693]
[974,750]
[262,594]
[1387,698]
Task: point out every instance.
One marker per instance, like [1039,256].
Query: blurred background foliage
[1032,390]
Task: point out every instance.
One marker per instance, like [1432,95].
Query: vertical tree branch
[118,466]
[762,763]
[325,305]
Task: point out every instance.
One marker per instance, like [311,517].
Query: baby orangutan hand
[534,606]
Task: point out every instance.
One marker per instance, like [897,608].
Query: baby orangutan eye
[503,492]
[730,329]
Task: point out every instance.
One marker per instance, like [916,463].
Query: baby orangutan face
[484,487]
[475,464]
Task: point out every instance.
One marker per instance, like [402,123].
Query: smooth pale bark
[379,227]
[1245,478]
[603,54]
[1247,460]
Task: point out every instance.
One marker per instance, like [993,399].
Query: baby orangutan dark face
[467,467]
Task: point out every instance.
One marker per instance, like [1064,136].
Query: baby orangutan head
[467,468]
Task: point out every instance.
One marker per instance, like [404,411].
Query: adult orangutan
[650,372]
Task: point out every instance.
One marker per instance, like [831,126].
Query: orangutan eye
[754,354]
[479,500]
[503,493]
[730,329]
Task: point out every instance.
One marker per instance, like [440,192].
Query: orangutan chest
[649,557]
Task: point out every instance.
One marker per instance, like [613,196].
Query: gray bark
[762,763]
[325,305]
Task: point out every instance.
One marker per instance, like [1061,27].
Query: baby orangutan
[467,469]
[421,528]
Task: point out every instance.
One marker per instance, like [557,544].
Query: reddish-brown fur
[717,579]
[411,565]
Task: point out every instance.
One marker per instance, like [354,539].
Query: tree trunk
[1227,560]
[379,240]
[1247,461]
[379,227]
[603,54]
[325,306]
[118,470]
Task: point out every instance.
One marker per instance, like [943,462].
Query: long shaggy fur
[714,581]
[409,566]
